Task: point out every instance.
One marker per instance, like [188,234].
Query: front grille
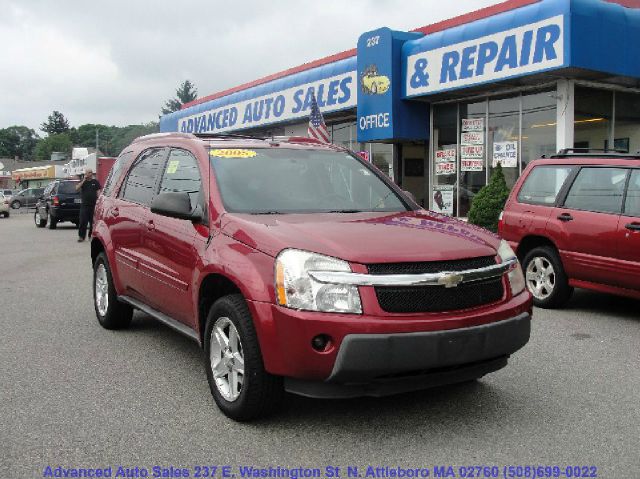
[431,299]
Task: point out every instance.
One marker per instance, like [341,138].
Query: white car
[4,205]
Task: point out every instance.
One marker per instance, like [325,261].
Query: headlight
[516,278]
[296,289]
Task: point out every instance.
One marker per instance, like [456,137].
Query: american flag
[317,128]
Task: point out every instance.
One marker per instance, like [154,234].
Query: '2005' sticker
[233,153]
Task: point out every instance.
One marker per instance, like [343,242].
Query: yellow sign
[233,153]
[172,167]
[39,172]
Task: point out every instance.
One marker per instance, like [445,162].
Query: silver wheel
[541,277]
[227,359]
[102,290]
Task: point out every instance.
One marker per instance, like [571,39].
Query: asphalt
[75,395]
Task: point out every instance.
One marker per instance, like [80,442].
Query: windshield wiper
[345,211]
[267,213]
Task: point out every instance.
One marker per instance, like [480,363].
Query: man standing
[89,188]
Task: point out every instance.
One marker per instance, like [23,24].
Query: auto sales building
[437,108]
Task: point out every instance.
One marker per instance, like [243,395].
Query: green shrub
[489,202]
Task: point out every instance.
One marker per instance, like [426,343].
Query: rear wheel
[39,220]
[546,278]
[52,221]
[111,313]
[241,387]
[15,204]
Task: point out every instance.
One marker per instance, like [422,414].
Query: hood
[365,238]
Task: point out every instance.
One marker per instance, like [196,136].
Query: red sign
[364,155]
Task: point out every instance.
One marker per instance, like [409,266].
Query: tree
[18,141]
[56,142]
[489,202]
[56,123]
[185,93]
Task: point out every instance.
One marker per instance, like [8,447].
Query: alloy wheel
[227,359]
[101,290]
[541,277]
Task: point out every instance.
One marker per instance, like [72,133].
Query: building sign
[381,113]
[514,52]
[332,94]
[472,138]
[471,164]
[505,153]
[446,168]
[36,173]
[448,154]
[443,199]
[472,124]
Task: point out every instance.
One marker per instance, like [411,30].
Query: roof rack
[153,136]
[595,152]
[205,136]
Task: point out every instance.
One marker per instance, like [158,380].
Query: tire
[258,393]
[16,205]
[52,221]
[545,278]
[37,219]
[111,314]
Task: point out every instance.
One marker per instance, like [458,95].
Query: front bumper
[382,364]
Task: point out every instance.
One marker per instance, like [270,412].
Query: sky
[116,62]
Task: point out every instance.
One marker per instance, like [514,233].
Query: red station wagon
[300,267]
[574,221]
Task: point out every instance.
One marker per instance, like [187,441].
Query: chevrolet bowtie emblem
[450,280]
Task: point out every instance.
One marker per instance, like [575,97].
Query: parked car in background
[28,197]
[574,221]
[8,193]
[4,205]
[59,202]
[300,267]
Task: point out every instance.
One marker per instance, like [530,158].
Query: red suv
[574,221]
[300,267]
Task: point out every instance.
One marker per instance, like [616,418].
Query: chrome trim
[448,279]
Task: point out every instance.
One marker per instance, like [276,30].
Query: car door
[172,245]
[126,217]
[628,235]
[584,226]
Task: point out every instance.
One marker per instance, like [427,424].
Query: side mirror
[175,205]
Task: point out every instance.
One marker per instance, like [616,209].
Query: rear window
[67,187]
[543,184]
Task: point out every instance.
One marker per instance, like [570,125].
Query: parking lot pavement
[74,394]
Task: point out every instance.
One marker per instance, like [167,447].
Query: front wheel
[111,313]
[546,278]
[240,386]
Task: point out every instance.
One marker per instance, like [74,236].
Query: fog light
[320,342]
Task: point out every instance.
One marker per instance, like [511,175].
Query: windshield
[262,180]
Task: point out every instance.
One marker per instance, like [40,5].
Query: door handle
[565,217]
[115,212]
[150,225]
[633,226]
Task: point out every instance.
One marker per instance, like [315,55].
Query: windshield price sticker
[172,167]
[233,153]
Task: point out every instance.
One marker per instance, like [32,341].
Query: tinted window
[140,184]
[597,189]
[284,180]
[116,172]
[543,184]
[182,175]
[632,204]
[67,187]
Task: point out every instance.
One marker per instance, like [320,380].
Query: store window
[538,126]
[473,154]
[382,156]
[445,164]
[627,122]
[593,112]
[341,134]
